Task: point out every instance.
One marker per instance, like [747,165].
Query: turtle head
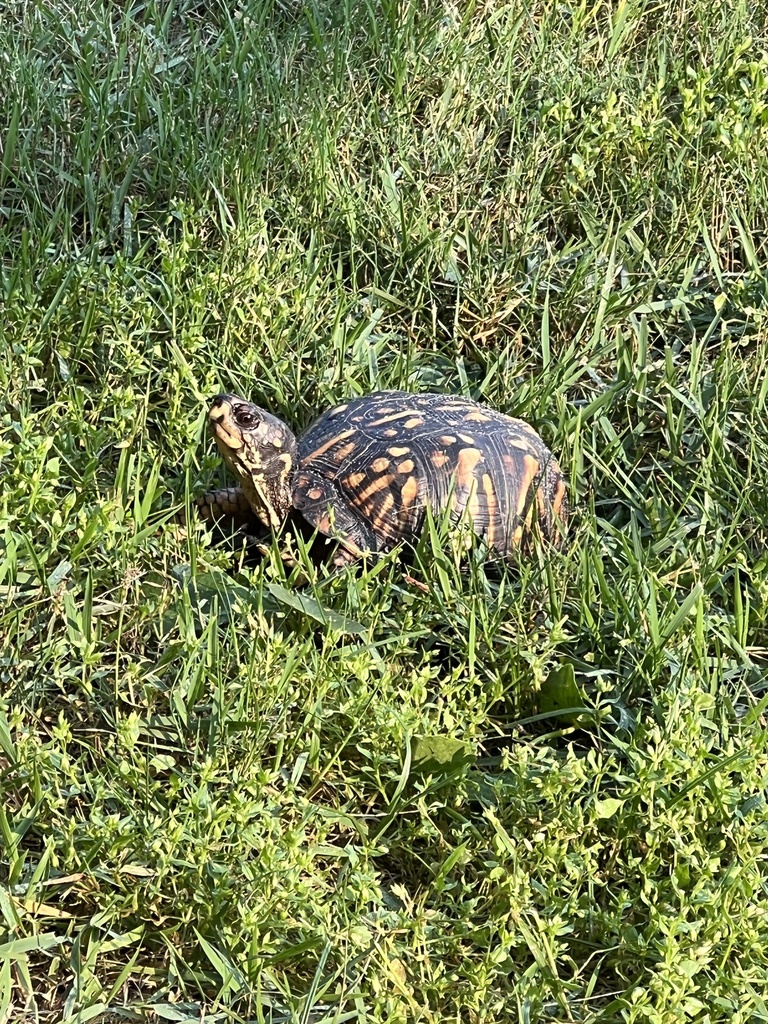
[261,452]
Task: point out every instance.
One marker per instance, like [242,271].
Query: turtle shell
[369,468]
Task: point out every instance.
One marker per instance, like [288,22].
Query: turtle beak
[222,423]
[220,406]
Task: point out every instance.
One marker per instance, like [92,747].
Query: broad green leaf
[608,807]
[312,608]
[434,755]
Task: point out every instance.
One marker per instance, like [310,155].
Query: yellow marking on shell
[373,488]
[522,444]
[541,502]
[339,409]
[559,500]
[397,416]
[406,466]
[465,467]
[438,459]
[467,438]
[390,432]
[379,465]
[329,444]
[415,422]
[409,491]
[447,439]
[397,452]
[477,417]
[492,505]
[341,453]
[380,514]
[531,468]
[354,480]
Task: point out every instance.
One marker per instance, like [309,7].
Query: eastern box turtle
[365,471]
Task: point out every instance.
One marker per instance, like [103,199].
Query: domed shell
[369,468]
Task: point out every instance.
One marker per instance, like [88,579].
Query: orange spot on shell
[558,502]
[409,491]
[541,501]
[465,466]
[329,444]
[373,488]
[521,443]
[397,416]
[531,469]
[397,452]
[341,453]
[379,515]
[492,505]
[379,465]
[406,466]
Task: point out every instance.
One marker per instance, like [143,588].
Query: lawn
[450,792]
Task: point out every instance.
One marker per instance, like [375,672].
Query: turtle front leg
[227,510]
[228,506]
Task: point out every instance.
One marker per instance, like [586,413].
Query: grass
[532,794]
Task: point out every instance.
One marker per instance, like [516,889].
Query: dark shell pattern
[369,468]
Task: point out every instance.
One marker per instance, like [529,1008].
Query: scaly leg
[228,511]
[228,505]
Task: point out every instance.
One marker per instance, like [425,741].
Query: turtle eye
[245,418]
